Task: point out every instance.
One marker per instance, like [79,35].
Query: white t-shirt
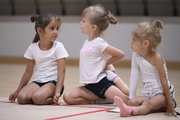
[93,61]
[46,61]
[149,73]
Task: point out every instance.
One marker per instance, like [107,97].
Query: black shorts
[53,82]
[100,88]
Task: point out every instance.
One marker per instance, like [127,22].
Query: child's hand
[56,98]
[170,111]
[111,67]
[13,96]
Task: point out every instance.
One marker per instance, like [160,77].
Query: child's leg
[44,95]
[25,94]
[79,95]
[155,103]
[137,101]
[112,76]
[124,109]
[118,82]
[114,91]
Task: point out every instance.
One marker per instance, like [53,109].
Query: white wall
[16,34]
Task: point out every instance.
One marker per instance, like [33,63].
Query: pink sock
[124,109]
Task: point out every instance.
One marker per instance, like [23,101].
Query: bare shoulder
[158,60]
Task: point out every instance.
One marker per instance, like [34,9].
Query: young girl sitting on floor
[158,92]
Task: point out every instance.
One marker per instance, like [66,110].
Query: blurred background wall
[17,32]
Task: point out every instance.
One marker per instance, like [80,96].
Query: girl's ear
[39,30]
[146,43]
[94,27]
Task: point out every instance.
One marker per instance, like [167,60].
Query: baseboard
[75,62]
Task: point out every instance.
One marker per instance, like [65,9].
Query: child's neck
[92,37]
[143,52]
[146,54]
[45,45]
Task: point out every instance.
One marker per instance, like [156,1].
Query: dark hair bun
[34,18]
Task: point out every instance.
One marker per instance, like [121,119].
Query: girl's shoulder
[136,54]
[157,56]
[96,39]
[99,40]
[58,44]
[158,60]
[33,45]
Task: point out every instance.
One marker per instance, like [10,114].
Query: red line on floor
[79,114]
[87,106]
[73,115]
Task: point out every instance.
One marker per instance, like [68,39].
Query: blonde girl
[48,55]
[157,93]
[96,55]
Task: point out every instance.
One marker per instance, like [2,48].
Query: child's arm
[24,80]
[134,77]
[115,53]
[163,79]
[60,79]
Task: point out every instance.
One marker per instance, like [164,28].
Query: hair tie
[110,16]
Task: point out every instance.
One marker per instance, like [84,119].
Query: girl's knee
[22,98]
[37,99]
[66,98]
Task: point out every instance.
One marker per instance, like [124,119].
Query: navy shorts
[100,88]
[53,82]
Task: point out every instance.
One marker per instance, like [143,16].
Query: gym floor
[10,75]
